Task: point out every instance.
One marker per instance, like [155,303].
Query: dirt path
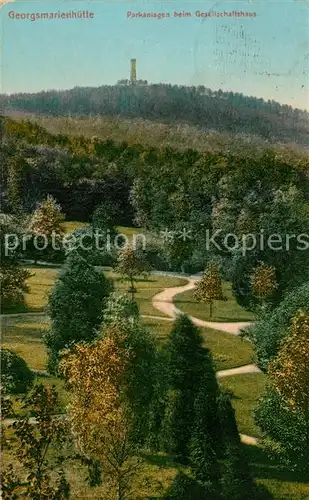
[163,302]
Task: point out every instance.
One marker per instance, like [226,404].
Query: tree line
[165,189]
[211,109]
[128,397]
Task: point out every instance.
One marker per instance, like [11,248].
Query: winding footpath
[163,302]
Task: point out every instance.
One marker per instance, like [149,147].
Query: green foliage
[16,376]
[289,371]
[185,487]
[236,480]
[47,218]
[120,309]
[32,443]
[195,105]
[206,431]
[12,277]
[131,264]
[45,232]
[209,287]
[104,216]
[92,245]
[13,287]
[268,333]
[184,356]
[287,217]
[140,375]
[286,432]
[16,168]
[285,404]
[75,306]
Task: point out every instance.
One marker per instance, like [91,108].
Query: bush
[16,376]
[287,431]
[75,306]
[268,333]
[185,487]
[12,276]
[83,240]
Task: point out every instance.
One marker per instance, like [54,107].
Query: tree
[184,356]
[205,444]
[110,382]
[47,218]
[273,327]
[32,445]
[185,487]
[104,217]
[289,371]
[46,231]
[13,277]
[209,288]
[141,375]
[16,376]
[263,281]
[283,411]
[131,264]
[120,310]
[236,480]
[17,167]
[98,417]
[285,431]
[13,287]
[75,306]
[280,211]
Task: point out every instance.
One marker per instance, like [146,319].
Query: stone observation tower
[133,72]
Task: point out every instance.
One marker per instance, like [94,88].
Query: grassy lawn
[282,482]
[43,278]
[146,289]
[228,350]
[128,231]
[246,391]
[224,311]
[47,381]
[40,285]
[70,226]
[24,336]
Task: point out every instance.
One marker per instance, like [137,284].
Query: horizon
[263,56]
[148,84]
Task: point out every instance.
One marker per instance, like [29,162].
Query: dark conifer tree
[205,445]
[184,357]
[237,483]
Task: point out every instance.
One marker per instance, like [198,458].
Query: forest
[212,110]
[172,370]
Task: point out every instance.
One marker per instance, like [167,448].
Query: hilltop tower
[133,72]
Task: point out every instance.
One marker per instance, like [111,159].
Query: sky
[264,56]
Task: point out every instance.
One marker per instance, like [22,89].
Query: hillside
[211,111]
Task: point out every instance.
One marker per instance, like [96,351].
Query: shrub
[75,306]
[268,333]
[16,376]
[185,487]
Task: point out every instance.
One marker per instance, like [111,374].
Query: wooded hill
[229,112]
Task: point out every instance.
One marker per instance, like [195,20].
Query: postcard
[154,249]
